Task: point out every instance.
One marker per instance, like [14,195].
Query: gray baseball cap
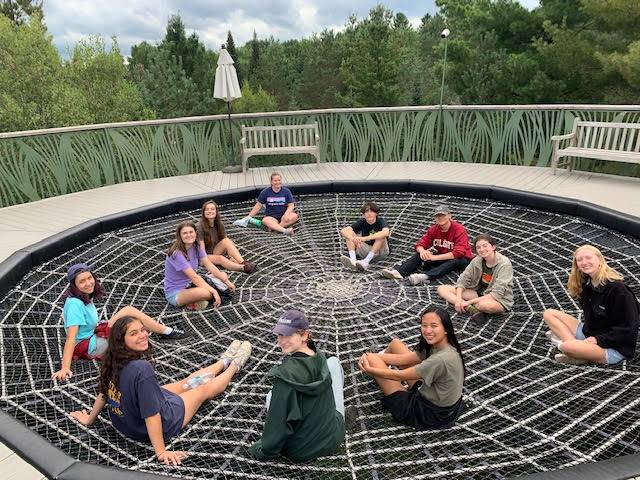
[290,322]
[441,209]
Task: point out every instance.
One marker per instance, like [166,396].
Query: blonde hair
[604,274]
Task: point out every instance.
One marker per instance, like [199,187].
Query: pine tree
[231,48]
[254,61]
[19,11]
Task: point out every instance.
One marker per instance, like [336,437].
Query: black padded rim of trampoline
[56,464]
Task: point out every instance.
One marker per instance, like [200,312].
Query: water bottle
[198,380]
[255,222]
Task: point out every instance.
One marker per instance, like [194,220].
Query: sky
[134,21]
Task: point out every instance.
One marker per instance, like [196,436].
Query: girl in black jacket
[608,331]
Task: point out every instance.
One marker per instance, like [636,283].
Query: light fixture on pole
[444,34]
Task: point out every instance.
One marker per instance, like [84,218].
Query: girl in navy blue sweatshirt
[608,331]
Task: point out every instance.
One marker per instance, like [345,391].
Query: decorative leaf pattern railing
[49,163]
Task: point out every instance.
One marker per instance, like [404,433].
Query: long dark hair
[118,355]
[74,291]
[178,244]
[423,346]
[310,343]
[205,226]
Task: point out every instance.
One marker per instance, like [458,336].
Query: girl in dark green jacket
[305,408]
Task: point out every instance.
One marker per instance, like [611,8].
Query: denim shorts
[172,297]
[613,356]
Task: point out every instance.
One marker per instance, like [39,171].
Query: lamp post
[445,35]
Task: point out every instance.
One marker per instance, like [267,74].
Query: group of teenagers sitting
[306,417]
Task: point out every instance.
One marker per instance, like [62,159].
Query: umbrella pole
[230,134]
[231,168]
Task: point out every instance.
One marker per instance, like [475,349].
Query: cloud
[134,21]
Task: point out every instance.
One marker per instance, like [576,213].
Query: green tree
[254,61]
[570,57]
[564,12]
[189,51]
[281,66]
[176,77]
[33,91]
[20,11]
[404,44]
[321,80]
[231,48]
[428,61]
[621,16]
[628,65]
[370,68]
[102,77]
[142,55]
[254,100]
[168,91]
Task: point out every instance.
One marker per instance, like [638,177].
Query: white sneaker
[418,278]
[391,274]
[566,359]
[288,231]
[243,222]
[231,350]
[553,338]
[347,262]
[242,354]
[361,266]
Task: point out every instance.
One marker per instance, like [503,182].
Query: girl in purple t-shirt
[138,406]
[182,285]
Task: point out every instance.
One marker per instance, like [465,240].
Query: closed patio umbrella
[226,88]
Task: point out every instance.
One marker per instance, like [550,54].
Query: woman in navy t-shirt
[278,206]
[138,406]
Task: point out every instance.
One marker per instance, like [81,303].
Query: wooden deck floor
[23,225]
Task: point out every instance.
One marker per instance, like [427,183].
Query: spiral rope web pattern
[525,412]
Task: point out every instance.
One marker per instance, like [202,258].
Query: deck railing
[44,163]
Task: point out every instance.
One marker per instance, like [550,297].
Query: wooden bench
[284,139]
[614,142]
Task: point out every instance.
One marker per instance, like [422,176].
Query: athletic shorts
[364,248]
[410,408]
[95,346]
[613,356]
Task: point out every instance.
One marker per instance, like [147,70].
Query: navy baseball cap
[290,322]
[77,268]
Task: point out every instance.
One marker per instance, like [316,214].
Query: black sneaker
[479,317]
[176,334]
[225,297]
[350,418]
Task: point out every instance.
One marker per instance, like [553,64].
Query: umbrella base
[232,169]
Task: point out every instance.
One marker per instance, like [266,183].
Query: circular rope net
[525,412]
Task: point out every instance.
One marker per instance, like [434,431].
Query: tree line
[564,51]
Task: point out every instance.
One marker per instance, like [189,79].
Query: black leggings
[433,269]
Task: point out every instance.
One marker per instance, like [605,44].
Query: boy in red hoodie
[444,248]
